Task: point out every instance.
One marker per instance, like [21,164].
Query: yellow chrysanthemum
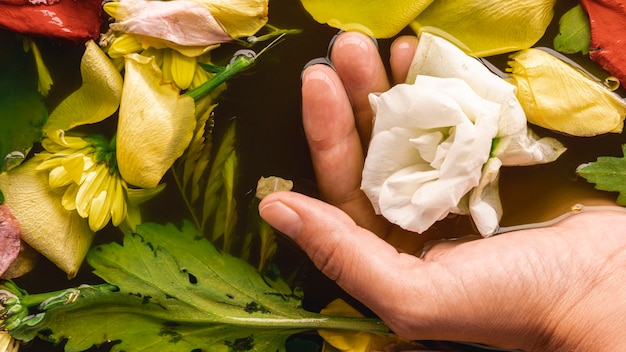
[87,169]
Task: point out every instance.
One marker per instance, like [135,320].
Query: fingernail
[334,38]
[317,61]
[282,218]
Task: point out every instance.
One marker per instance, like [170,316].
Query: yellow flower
[85,167]
[92,186]
[489,27]
[183,30]
[560,97]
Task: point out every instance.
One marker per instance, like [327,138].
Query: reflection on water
[266,103]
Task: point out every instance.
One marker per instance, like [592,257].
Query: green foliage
[574,32]
[608,174]
[22,109]
[170,290]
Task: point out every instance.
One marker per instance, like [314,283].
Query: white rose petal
[403,176]
[438,142]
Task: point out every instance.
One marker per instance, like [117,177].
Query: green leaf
[22,109]
[174,291]
[574,32]
[608,174]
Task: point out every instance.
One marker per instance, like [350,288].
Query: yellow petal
[182,22]
[376,18]
[74,165]
[60,235]
[99,214]
[118,202]
[559,97]
[96,99]
[489,27]
[183,69]
[123,45]
[239,18]
[155,124]
[69,197]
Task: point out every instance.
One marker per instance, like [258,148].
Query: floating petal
[560,97]
[376,18]
[155,126]
[59,234]
[490,27]
[239,18]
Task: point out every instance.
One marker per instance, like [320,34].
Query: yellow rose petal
[559,97]
[239,18]
[376,18]
[96,99]
[155,124]
[489,27]
[60,235]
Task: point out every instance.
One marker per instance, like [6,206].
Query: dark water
[266,104]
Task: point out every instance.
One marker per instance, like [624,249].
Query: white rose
[439,141]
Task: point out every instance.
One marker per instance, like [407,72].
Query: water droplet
[13,159]
[577,208]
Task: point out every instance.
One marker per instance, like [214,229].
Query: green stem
[239,64]
[320,322]
[185,199]
[37,299]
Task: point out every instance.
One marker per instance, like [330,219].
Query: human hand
[557,288]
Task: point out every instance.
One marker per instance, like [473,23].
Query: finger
[359,261]
[358,64]
[334,143]
[402,52]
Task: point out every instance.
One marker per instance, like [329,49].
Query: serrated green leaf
[574,32]
[608,174]
[171,290]
[22,109]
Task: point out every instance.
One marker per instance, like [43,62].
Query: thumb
[360,262]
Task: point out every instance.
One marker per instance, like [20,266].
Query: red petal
[76,21]
[9,238]
[608,35]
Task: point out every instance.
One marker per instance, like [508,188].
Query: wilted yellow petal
[489,27]
[559,97]
[155,124]
[60,235]
[97,98]
[239,18]
[376,18]
[160,23]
